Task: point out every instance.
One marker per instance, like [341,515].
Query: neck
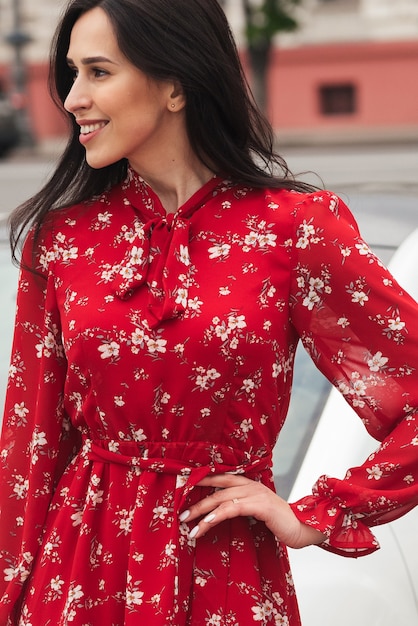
[175,173]
[179,183]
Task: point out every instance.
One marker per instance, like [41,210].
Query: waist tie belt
[189,462]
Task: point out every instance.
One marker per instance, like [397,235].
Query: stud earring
[173,106]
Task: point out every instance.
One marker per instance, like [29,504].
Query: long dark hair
[186,40]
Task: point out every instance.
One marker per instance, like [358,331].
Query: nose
[78,97]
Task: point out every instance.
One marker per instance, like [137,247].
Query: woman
[172,266]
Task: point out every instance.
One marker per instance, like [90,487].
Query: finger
[212,502]
[226,510]
[224,480]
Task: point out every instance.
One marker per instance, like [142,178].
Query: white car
[376,590]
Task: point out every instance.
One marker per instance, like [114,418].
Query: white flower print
[374,472]
[359,387]
[20,487]
[46,347]
[194,304]
[184,255]
[69,254]
[396,324]
[360,297]
[248,385]
[311,299]
[251,239]
[205,379]
[21,410]
[156,345]
[263,612]
[137,255]
[277,370]
[109,350]
[363,248]
[343,322]
[246,426]
[236,321]
[21,571]
[104,218]
[125,521]
[377,362]
[160,512]
[182,294]
[56,584]
[139,337]
[127,272]
[219,251]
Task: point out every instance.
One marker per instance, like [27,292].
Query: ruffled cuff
[346,533]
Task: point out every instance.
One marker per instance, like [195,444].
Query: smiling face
[122,112]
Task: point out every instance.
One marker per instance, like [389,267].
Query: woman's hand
[239,496]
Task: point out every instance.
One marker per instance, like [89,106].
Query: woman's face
[122,113]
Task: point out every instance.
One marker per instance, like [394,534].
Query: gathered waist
[181,458]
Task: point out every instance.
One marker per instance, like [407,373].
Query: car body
[376,590]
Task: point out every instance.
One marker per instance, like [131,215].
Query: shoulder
[322,207]
[291,206]
[64,229]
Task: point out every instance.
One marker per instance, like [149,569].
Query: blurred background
[333,70]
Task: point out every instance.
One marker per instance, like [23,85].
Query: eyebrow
[91,61]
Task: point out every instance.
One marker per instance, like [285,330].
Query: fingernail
[209,518]
[184,515]
[193,532]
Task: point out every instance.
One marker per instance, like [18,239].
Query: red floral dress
[152,350]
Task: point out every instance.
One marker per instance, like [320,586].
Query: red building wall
[384,76]
[47,121]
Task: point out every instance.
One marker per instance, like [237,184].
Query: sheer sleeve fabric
[361,330]
[36,437]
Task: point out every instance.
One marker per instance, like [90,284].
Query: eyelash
[96,71]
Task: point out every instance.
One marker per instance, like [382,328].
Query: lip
[93,128]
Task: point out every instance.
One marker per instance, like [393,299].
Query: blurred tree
[265,18]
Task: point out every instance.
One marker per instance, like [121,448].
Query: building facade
[347,74]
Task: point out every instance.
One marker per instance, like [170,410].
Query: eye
[98,72]
[73,72]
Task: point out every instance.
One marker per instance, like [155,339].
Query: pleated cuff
[346,532]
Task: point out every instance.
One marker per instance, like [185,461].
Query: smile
[91,128]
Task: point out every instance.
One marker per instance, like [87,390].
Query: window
[337,99]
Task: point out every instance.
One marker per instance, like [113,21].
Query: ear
[177,98]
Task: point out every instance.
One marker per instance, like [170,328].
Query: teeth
[90,128]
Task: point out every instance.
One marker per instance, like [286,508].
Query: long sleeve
[361,330]
[36,437]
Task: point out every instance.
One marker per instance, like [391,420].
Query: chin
[99,162]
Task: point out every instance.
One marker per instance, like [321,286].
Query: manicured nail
[184,515]
[209,518]
[193,532]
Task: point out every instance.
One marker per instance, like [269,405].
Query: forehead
[93,35]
